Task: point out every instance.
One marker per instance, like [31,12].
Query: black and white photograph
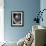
[17,18]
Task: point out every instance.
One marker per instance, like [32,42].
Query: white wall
[1,20]
[43,6]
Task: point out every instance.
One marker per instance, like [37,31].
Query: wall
[1,24]
[1,20]
[30,7]
[42,6]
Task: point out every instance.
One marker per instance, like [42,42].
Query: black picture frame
[17,18]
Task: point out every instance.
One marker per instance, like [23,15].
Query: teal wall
[29,7]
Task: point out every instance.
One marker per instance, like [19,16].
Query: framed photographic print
[17,18]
